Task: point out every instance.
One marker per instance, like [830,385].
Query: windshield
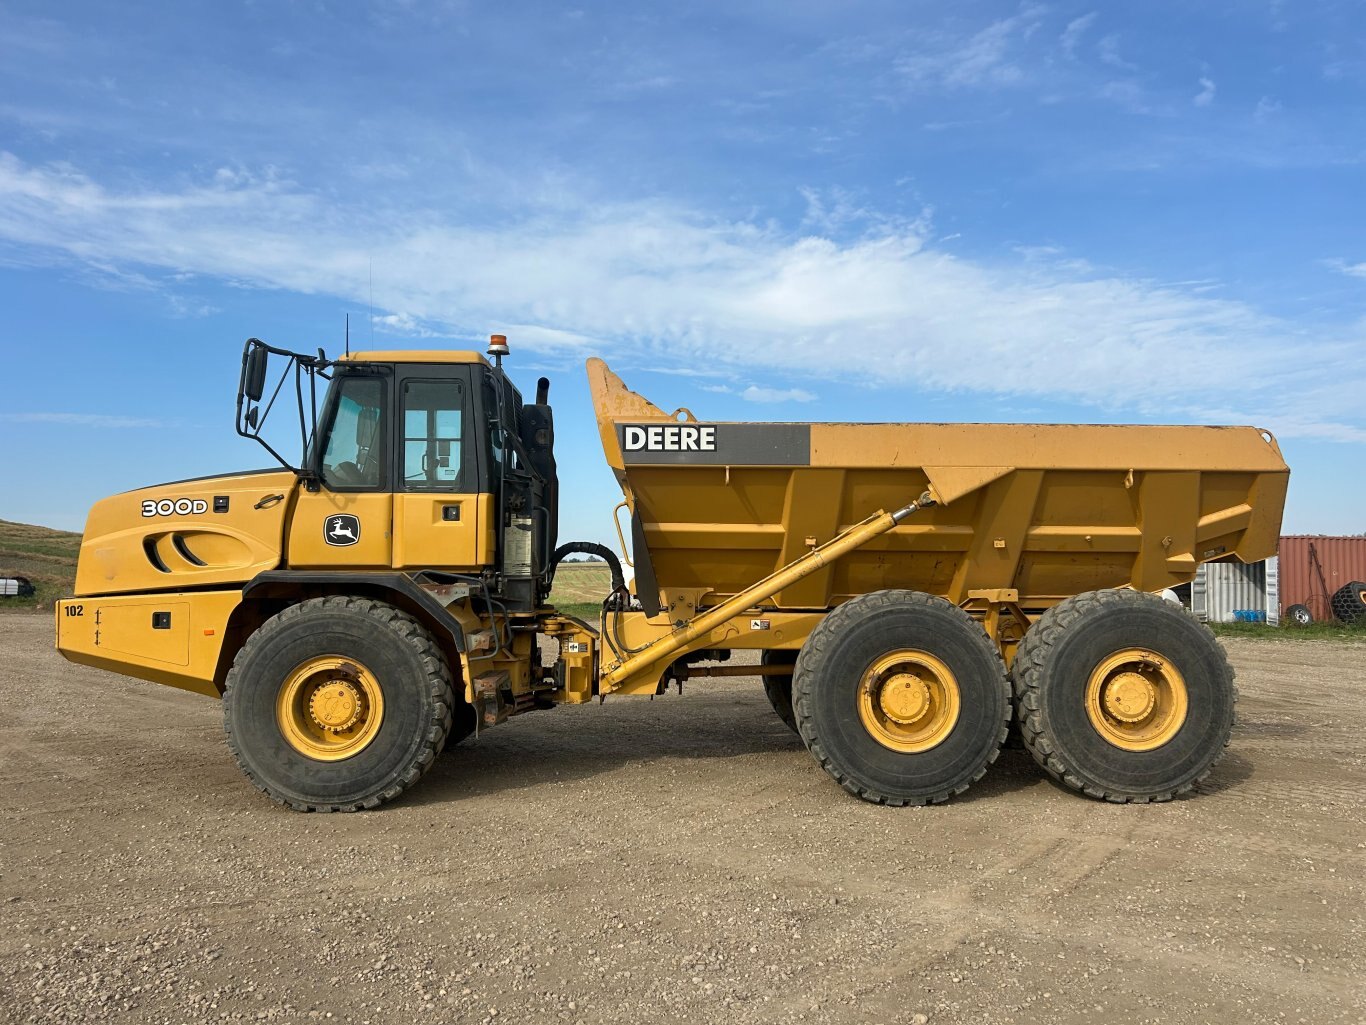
[354,456]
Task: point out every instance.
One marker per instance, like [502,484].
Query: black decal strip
[673,443]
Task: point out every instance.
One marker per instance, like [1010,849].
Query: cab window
[433,428]
[354,457]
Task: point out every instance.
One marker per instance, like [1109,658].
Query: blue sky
[806,211]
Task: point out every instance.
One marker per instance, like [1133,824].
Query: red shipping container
[1343,559]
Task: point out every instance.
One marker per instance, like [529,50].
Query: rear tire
[1123,696]
[901,697]
[779,688]
[1349,602]
[337,704]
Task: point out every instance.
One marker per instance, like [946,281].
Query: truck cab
[429,461]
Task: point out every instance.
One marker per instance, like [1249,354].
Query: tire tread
[815,657]
[1027,674]
[438,680]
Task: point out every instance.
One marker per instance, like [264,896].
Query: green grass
[580,588]
[1335,631]
[589,612]
[47,557]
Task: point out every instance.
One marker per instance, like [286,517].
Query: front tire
[901,697]
[337,704]
[1123,696]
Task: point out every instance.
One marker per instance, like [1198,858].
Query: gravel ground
[681,859]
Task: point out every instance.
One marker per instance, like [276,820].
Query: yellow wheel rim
[1136,699]
[909,701]
[329,708]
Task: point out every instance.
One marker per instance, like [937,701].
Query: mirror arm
[250,415]
[299,397]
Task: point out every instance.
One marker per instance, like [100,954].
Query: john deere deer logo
[342,529]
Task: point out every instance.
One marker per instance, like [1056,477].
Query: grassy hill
[47,557]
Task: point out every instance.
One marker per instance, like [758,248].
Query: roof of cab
[415,356]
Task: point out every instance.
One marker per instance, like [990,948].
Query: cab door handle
[450,513]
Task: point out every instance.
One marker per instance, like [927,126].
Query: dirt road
[675,860]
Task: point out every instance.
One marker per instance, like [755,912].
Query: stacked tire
[1349,602]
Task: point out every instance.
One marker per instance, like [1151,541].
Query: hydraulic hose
[615,602]
[589,548]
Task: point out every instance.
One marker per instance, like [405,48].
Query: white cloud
[546,339]
[1128,94]
[97,420]
[662,288]
[983,59]
[1352,270]
[402,324]
[1206,94]
[1076,28]
[833,211]
[1108,51]
[754,393]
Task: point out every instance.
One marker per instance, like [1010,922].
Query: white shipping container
[1225,592]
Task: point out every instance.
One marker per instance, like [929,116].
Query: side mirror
[254,373]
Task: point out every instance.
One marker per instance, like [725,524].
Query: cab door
[347,522]
[442,518]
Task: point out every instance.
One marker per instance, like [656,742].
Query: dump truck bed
[1047,510]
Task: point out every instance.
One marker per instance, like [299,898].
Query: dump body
[1046,510]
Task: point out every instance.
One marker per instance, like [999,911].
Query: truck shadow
[1232,772]
[1013,770]
[573,744]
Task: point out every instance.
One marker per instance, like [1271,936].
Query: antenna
[348,334]
[372,302]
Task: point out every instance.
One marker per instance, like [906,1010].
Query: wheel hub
[336,706]
[1129,697]
[908,700]
[329,708]
[1136,699]
[904,699]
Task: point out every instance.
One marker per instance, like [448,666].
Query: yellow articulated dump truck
[909,590]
